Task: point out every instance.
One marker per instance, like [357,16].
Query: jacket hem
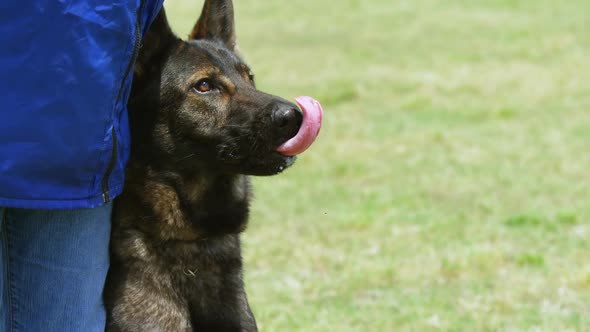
[60,204]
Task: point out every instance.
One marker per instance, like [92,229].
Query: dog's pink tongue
[309,130]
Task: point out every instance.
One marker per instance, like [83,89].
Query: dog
[199,129]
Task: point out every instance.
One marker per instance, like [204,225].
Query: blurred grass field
[450,186]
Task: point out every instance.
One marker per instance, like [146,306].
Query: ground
[450,186]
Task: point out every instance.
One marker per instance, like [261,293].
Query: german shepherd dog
[199,127]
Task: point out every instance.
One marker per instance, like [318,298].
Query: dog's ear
[216,23]
[157,40]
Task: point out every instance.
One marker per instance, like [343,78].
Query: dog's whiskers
[236,126]
[255,145]
[189,272]
[185,157]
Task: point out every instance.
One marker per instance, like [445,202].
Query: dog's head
[195,103]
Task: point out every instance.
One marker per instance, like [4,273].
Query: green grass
[450,187]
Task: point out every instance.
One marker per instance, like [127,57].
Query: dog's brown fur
[175,249]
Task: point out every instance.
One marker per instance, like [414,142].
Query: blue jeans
[54,265]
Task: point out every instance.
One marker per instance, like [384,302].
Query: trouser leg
[57,261]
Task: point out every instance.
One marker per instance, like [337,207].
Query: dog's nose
[288,119]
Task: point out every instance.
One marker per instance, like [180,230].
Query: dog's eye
[203,86]
[251,77]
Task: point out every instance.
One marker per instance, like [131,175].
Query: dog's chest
[206,275]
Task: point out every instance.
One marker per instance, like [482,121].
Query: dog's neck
[190,207]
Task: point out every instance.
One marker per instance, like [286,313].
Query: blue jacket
[65,77]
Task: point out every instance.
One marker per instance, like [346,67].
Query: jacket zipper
[106,196]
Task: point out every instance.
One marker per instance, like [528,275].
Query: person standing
[65,75]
